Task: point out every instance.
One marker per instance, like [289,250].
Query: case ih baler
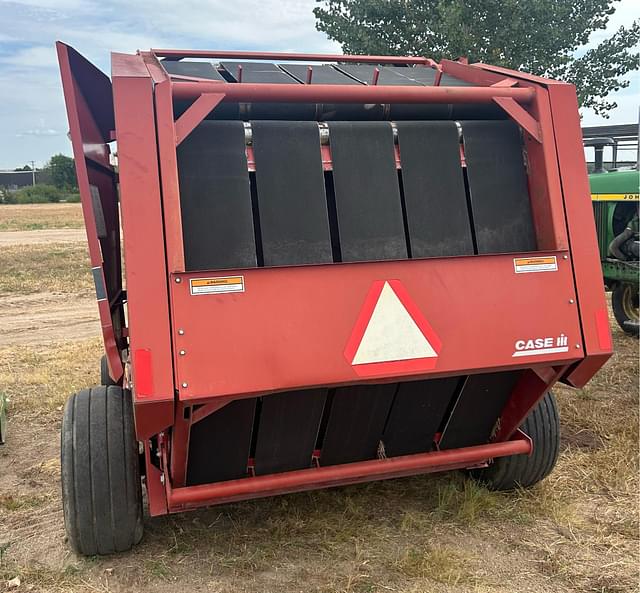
[338,269]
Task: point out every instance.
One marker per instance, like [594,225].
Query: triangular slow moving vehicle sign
[391,335]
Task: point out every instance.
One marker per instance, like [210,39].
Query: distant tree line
[60,170]
[56,182]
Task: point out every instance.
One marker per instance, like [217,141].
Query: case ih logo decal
[391,334]
[538,346]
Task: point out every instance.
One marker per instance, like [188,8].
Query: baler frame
[148,355]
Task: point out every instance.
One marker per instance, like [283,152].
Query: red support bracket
[520,115]
[196,112]
[202,412]
[506,82]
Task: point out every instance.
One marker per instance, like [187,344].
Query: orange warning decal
[218,285]
[524,265]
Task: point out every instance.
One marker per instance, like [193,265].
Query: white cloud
[30,91]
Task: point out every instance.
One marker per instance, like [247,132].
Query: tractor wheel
[101,487]
[105,377]
[543,426]
[624,301]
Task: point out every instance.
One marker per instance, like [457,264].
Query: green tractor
[614,193]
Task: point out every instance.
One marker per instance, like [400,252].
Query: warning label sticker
[524,265]
[219,285]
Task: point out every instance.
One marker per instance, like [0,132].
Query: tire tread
[542,425]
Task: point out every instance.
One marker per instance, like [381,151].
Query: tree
[63,172]
[544,37]
[25,168]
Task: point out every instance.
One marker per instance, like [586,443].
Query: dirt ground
[577,531]
[42,237]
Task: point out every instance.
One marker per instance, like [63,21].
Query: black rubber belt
[198,69]
[356,422]
[416,415]
[434,193]
[215,198]
[397,76]
[322,74]
[294,226]
[368,205]
[369,216]
[258,72]
[294,223]
[478,408]
[498,187]
[219,444]
[263,72]
[287,430]
[388,75]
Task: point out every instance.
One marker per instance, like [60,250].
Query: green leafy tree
[544,37]
[62,172]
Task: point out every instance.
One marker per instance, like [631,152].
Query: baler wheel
[543,426]
[624,302]
[105,377]
[101,487]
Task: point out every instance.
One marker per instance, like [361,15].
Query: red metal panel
[90,136]
[148,306]
[529,390]
[545,190]
[580,220]
[290,326]
[322,477]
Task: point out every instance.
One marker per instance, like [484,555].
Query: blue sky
[33,122]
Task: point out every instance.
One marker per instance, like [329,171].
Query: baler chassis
[363,268]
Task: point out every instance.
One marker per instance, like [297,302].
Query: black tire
[624,302]
[543,426]
[105,377]
[101,488]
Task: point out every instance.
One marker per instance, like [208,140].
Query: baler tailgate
[338,272]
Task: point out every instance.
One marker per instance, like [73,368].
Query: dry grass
[45,268]
[577,531]
[37,380]
[31,217]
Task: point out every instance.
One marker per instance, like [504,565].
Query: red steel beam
[336,93]
[269,55]
[336,475]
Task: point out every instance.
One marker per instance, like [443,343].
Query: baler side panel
[598,342]
[146,270]
[88,99]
